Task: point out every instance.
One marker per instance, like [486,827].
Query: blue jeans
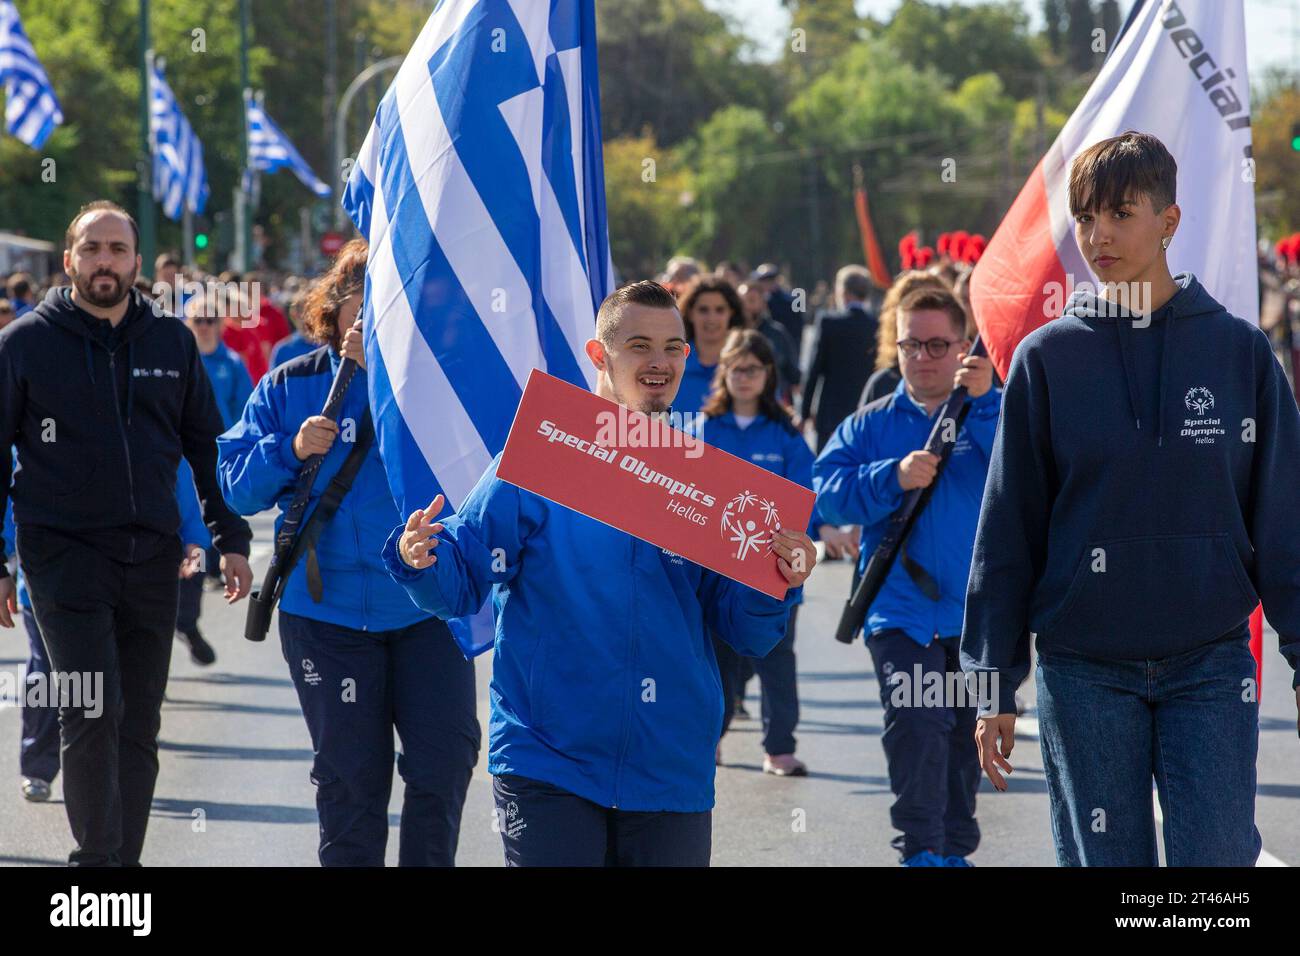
[1190,721]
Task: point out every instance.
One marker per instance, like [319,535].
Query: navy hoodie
[1141,493]
[100,416]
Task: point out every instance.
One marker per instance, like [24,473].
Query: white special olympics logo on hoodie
[1199,399]
[749,522]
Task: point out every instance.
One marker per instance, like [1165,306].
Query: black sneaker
[201,651]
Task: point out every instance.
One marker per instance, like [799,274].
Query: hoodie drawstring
[1129,374]
[1164,358]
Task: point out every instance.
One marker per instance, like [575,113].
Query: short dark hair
[99,205]
[936,300]
[1107,174]
[647,292]
[19,285]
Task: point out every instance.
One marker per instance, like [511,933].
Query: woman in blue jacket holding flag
[744,418]
[364,659]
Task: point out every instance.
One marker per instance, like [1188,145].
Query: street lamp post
[340,127]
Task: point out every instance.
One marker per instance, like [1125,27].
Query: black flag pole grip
[943,436]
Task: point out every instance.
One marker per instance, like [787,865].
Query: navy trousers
[355,688]
[38,755]
[934,768]
[544,825]
[778,684]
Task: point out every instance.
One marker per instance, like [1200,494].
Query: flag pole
[145,209]
[244,239]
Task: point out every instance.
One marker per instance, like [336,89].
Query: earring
[1164,243]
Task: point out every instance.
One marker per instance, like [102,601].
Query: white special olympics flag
[1177,71]
[480,188]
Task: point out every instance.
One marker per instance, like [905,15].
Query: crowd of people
[107,401]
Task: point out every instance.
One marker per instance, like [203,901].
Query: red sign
[331,243]
[635,473]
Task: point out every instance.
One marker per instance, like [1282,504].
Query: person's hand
[1297,703]
[352,347]
[238,575]
[976,374]
[8,600]
[839,544]
[192,563]
[796,555]
[917,470]
[420,537]
[988,732]
[315,436]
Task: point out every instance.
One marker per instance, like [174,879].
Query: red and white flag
[1178,71]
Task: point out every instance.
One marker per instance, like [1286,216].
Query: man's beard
[646,406]
[86,288]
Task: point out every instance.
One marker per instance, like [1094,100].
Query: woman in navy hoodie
[743,417]
[364,659]
[1139,505]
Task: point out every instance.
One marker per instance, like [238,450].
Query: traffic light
[1295,137]
[201,241]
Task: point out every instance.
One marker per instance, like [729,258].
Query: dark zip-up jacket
[100,416]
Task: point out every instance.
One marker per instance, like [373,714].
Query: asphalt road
[234,790]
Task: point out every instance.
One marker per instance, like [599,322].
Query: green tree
[647,193]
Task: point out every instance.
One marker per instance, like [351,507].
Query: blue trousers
[778,682]
[1190,722]
[38,755]
[544,825]
[934,768]
[357,687]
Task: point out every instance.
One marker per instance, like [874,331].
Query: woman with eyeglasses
[913,628]
[744,418]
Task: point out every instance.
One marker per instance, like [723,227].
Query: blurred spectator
[787,351]
[22,293]
[843,355]
[7,313]
[679,273]
[733,272]
[780,303]
[296,344]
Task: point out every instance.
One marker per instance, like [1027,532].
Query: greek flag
[31,108]
[180,180]
[480,188]
[269,149]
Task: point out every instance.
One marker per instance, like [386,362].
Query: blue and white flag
[480,188]
[269,149]
[180,180]
[31,108]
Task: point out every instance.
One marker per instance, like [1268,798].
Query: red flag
[871,253]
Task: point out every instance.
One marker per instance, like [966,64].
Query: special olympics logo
[749,522]
[1199,399]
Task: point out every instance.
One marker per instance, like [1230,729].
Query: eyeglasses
[747,371]
[935,348]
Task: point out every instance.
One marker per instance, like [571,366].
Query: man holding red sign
[606,701]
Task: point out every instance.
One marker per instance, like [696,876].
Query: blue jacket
[230,382]
[290,347]
[768,444]
[257,469]
[695,386]
[856,478]
[604,681]
[1141,498]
